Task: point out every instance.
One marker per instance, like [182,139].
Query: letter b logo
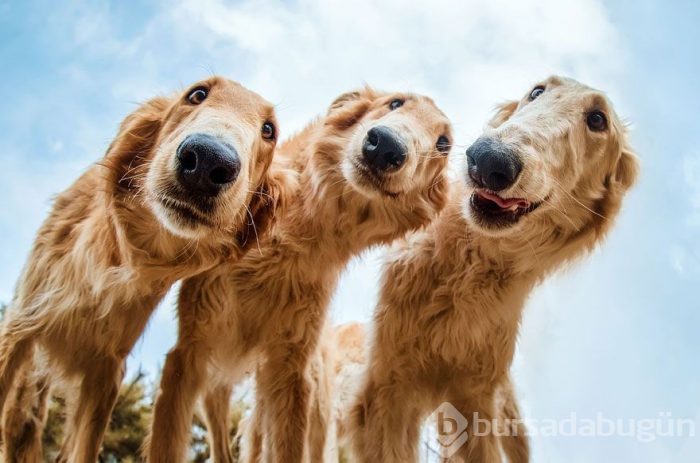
[451,426]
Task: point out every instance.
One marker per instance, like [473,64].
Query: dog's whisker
[563,214]
[576,200]
[260,193]
[252,222]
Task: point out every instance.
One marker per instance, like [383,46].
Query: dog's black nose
[206,165]
[492,164]
[383,150]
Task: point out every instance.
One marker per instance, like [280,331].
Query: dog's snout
[383,150]
[206,165]
[492,164]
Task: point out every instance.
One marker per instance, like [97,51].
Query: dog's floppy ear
[267,203]
[344,99]
[135,139]
[627,168]
[503,113]
[619,179]
[348,108]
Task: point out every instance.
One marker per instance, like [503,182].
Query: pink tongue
[504,203]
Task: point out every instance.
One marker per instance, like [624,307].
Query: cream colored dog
[183,187]
[371,170]
[544,185]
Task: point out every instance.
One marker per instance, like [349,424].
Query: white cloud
[468,55]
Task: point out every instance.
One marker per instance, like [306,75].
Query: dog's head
[199,160]
[560,153]
[393,144]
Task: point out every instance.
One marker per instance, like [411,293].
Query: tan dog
[183,187]
[370,171]
[543,186]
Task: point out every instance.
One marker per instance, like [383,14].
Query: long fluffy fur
[335,374]
[268,309]
[100,264]
[452,296]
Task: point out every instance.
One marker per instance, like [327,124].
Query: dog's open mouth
[495,211]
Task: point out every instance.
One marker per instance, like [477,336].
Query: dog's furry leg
[515,442]
[284,388]
[385,425]
[483,447]
[25,416]
[16,347]
[180,385]
[97,395]
[70,430]
[320,410]
[251,433]
[216,408]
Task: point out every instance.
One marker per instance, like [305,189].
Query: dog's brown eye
[197,95]
[537,91]
[396,104]
[443,144]
[596,121]
[268,131]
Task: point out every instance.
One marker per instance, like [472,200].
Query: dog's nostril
[395,159]
[373,137]
[188,160]
[221,175]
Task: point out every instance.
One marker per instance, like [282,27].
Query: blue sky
[618,333]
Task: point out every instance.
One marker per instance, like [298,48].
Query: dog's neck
[525,256]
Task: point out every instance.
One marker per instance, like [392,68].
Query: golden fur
[452,296]
[335,373]
[268,309]
[111,248]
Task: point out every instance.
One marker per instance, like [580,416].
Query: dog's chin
[490,219]
[180,219]
[366,181]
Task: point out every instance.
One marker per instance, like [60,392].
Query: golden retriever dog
[369,171]
[183,187]
[543,185]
